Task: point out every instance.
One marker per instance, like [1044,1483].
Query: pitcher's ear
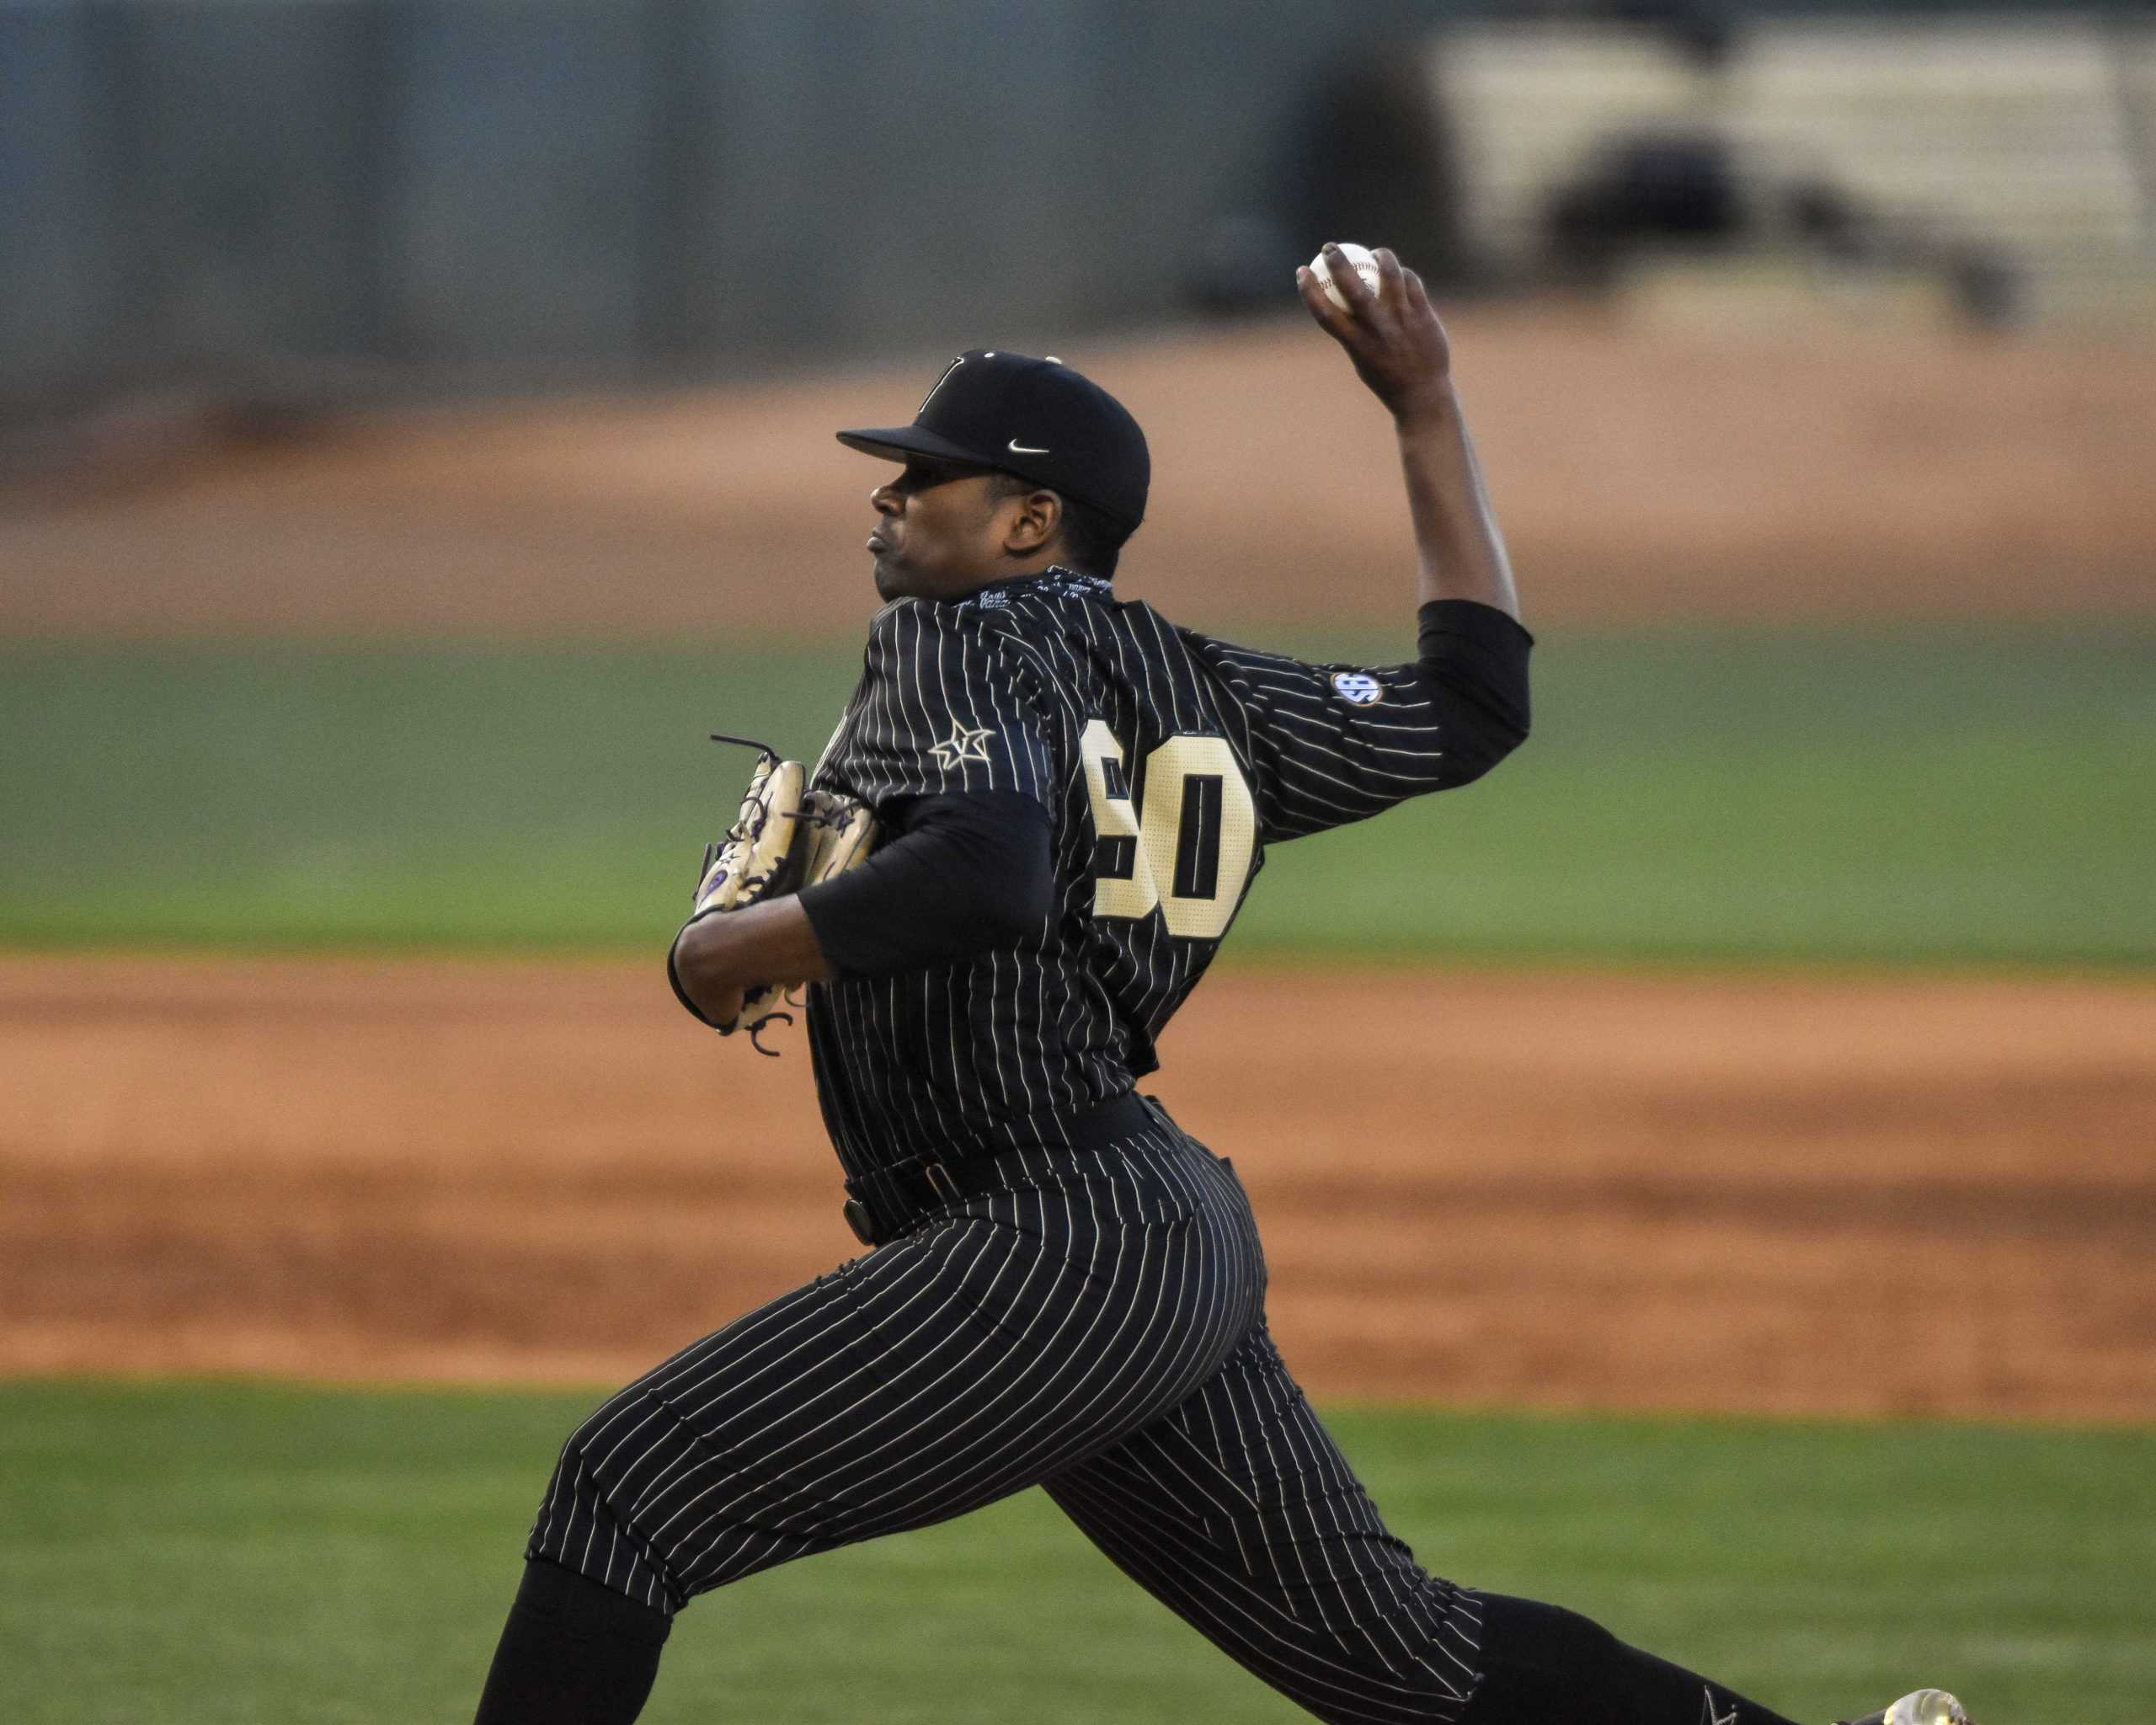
[1040,514]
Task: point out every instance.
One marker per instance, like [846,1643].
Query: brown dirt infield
[1643,473]
[1767,1193]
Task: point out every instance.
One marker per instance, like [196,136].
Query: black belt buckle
[858,1219]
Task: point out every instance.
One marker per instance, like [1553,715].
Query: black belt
[880,1202]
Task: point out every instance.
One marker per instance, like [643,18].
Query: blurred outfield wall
[607,190]
[462,195]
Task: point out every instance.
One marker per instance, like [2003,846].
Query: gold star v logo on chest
[962,745]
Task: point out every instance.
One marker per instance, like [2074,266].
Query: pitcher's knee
[1365,1691]
[587,1523]
[645,1503]
[1411,1663]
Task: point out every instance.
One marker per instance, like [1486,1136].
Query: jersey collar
[1054,582]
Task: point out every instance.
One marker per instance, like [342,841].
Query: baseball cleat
[1925,1706]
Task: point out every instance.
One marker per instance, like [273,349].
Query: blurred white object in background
[2011,162]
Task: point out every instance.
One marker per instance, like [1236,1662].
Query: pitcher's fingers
[1335,322]
[1361,301]
[1392,284]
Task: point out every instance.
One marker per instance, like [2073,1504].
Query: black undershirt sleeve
[967,872]
[1476,658]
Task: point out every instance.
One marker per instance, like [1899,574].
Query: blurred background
[415,437]
[285,206]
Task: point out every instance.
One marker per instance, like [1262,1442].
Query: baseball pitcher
[1036,821]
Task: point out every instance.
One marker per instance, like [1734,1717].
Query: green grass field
[223,1555]
[1938,795]
[206,1553]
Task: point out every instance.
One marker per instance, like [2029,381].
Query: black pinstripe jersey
[1167,761]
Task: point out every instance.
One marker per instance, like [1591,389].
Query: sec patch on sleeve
[1358,688]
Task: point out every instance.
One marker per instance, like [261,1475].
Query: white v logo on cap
[1018,448]
[939,383]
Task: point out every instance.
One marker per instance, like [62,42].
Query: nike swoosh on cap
[1018,448]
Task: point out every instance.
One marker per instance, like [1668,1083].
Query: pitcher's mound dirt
[1625,1192]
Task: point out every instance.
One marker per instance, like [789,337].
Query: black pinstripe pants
[1094,1324]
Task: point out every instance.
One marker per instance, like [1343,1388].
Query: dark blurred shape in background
[223,214]
[1669,187]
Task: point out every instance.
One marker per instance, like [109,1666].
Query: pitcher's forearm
[1401,352]
[1456,534]
[718,954]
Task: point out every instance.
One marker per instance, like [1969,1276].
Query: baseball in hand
[1366,266]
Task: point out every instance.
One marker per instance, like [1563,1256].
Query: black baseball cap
[1035,418]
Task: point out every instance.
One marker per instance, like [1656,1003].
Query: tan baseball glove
[786,838]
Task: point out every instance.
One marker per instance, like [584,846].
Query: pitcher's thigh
[931,1376]
[1239,1512]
